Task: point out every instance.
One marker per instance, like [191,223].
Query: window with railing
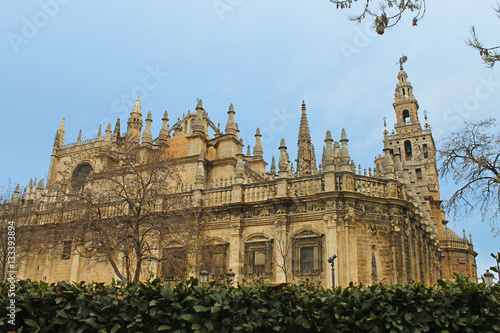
[307,253]
[213,261]
[174,263]
[258,258]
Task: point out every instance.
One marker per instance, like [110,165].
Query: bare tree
[385,13]
[131,210]
[472,157]
[283,246]
[490,55]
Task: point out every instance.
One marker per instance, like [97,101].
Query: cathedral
[324,221]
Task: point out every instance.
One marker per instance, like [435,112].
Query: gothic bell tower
[410,142]
[406,106]
[134,124]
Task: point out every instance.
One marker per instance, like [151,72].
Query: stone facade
[384,223]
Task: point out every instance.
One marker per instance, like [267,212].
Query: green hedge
[157,307]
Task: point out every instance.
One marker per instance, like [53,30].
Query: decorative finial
[137,106]
[425,117]
[402,60]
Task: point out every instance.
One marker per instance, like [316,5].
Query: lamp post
[488,277]
[203,277]
[331,260]
[230,277]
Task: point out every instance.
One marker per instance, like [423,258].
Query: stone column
[351,242]
[237,194]
[236,250]
[75,268]
[331,245]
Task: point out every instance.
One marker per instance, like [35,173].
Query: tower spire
[60,135]
[134,124]
[198,127]
[344,152]
[314,169]
[328,153]
[231,126]
[258,151]
[107,137]
[164,129]
[304,154]
[273,166]
[117,132]
[147,136]
[283,160]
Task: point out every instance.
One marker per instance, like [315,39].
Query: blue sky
[88,60]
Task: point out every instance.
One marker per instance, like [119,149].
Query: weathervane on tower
[402,60]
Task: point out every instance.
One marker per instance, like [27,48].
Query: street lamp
[488,277]
[331,260]
[203,277]
[230,277]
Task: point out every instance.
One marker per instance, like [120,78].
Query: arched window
[408,152]
[80,175]
[406,116]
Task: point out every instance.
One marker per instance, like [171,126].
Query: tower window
[406,116]
[419,174]
[408,152]
[425,150]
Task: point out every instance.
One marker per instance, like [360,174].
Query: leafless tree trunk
[283,248]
